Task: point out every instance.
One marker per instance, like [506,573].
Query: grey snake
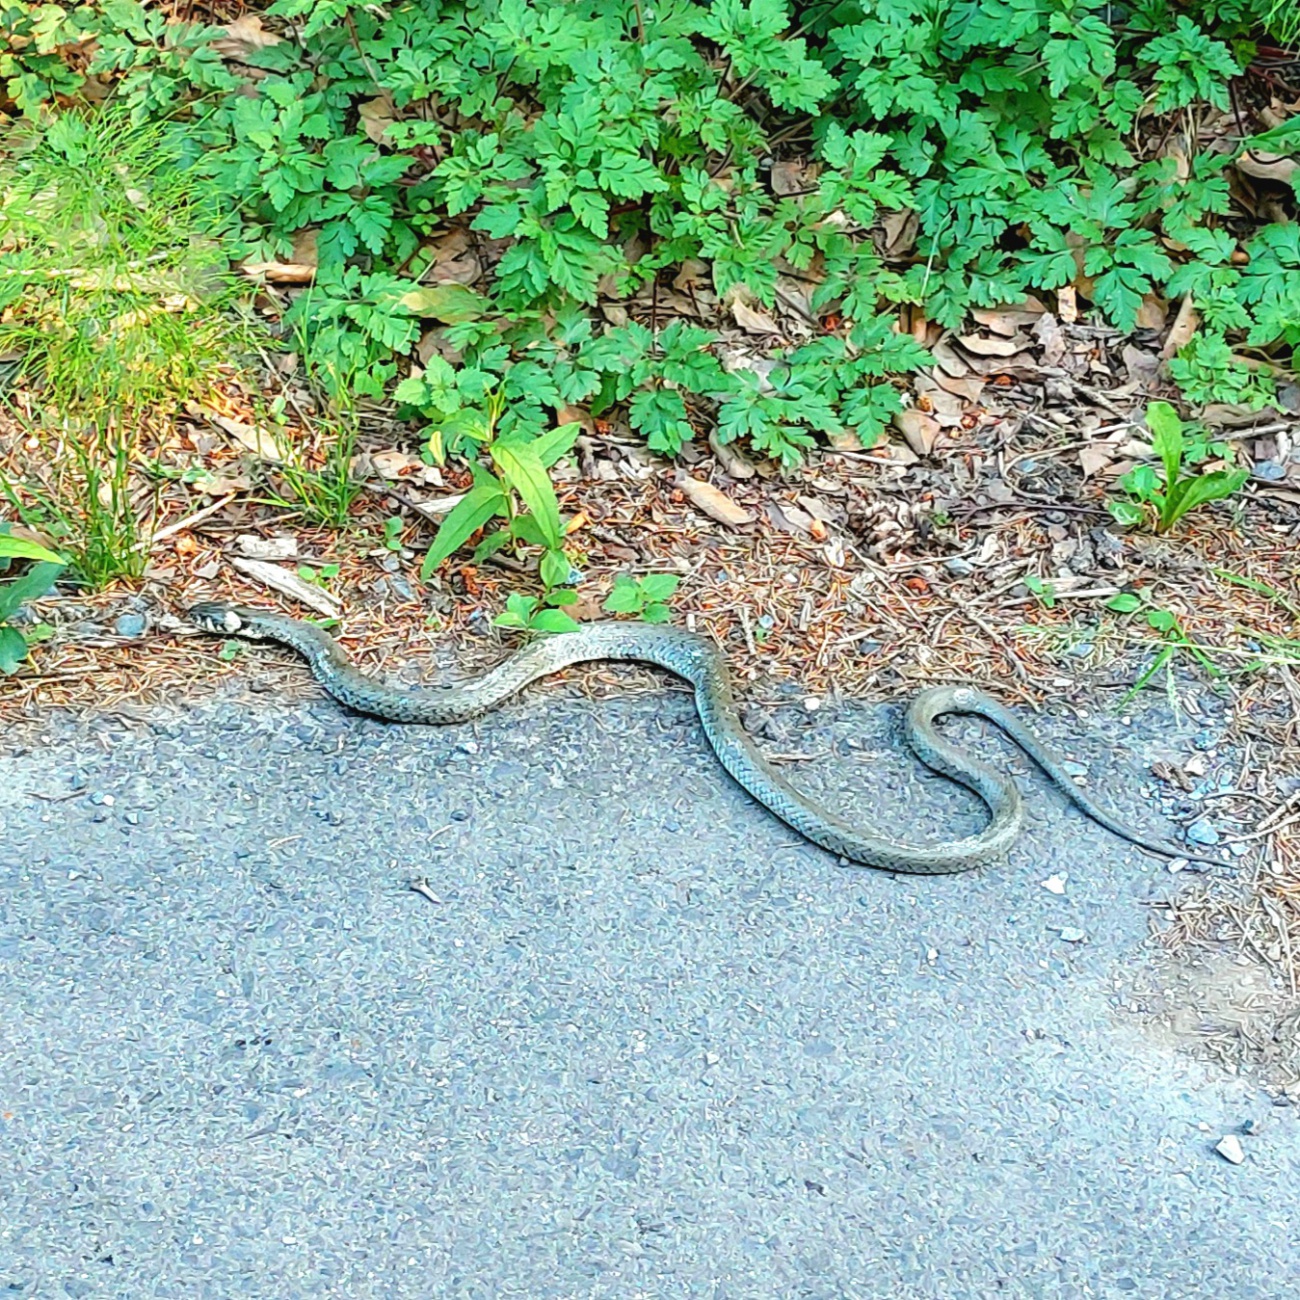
[697,661]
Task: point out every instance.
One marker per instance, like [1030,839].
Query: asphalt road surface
[630,1038]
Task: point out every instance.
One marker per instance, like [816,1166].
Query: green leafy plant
[583,152]
[14,641]
[517,490]
[1169,496]
[393,527]
[112,301]
[539,613]
[645,598]
[319,575]
[1044,591]
[1165,623]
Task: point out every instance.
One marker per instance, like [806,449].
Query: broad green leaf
[523,471]
[35,582]
[449,303]
[659,586]
[13,650]
[479,505]
[625,598]
[555,443]
[554,569]
[1126,602]
[553,620]
[1194,492]
[19,548]
[1166,439]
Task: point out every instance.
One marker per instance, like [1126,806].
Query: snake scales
[694,659]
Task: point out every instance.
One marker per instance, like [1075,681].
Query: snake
[697,661]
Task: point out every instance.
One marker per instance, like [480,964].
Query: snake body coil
[695,660]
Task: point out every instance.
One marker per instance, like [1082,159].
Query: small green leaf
[553,620]
[1124,603]
[657,614]
[1162,620]
[625,598]
[1125,512]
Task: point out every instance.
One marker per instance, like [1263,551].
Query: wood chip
[288,583]
[267,548]
[714,503]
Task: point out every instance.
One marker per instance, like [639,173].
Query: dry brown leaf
[243,37]
[1005,321]
[249,436]
[1051,338]
[999,347]
[714,503]
[1182,331]
[280,272]
[209,484]
[901,229]
[969,389]
[1094,458]
[394,464]
[692,276]
[949,361]
[918,429]
[1067,304]
[1268,166]
[455,260]
[733,462]
[377,115]
[818,509]
[751,321]
[794,176]
[1152,312]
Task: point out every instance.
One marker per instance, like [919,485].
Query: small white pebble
[932,955]
[1195,766]
[1177,864]
[812,703]
[1230,1149]
[1070,934]
[1055,884]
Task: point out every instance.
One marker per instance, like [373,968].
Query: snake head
[221,620]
